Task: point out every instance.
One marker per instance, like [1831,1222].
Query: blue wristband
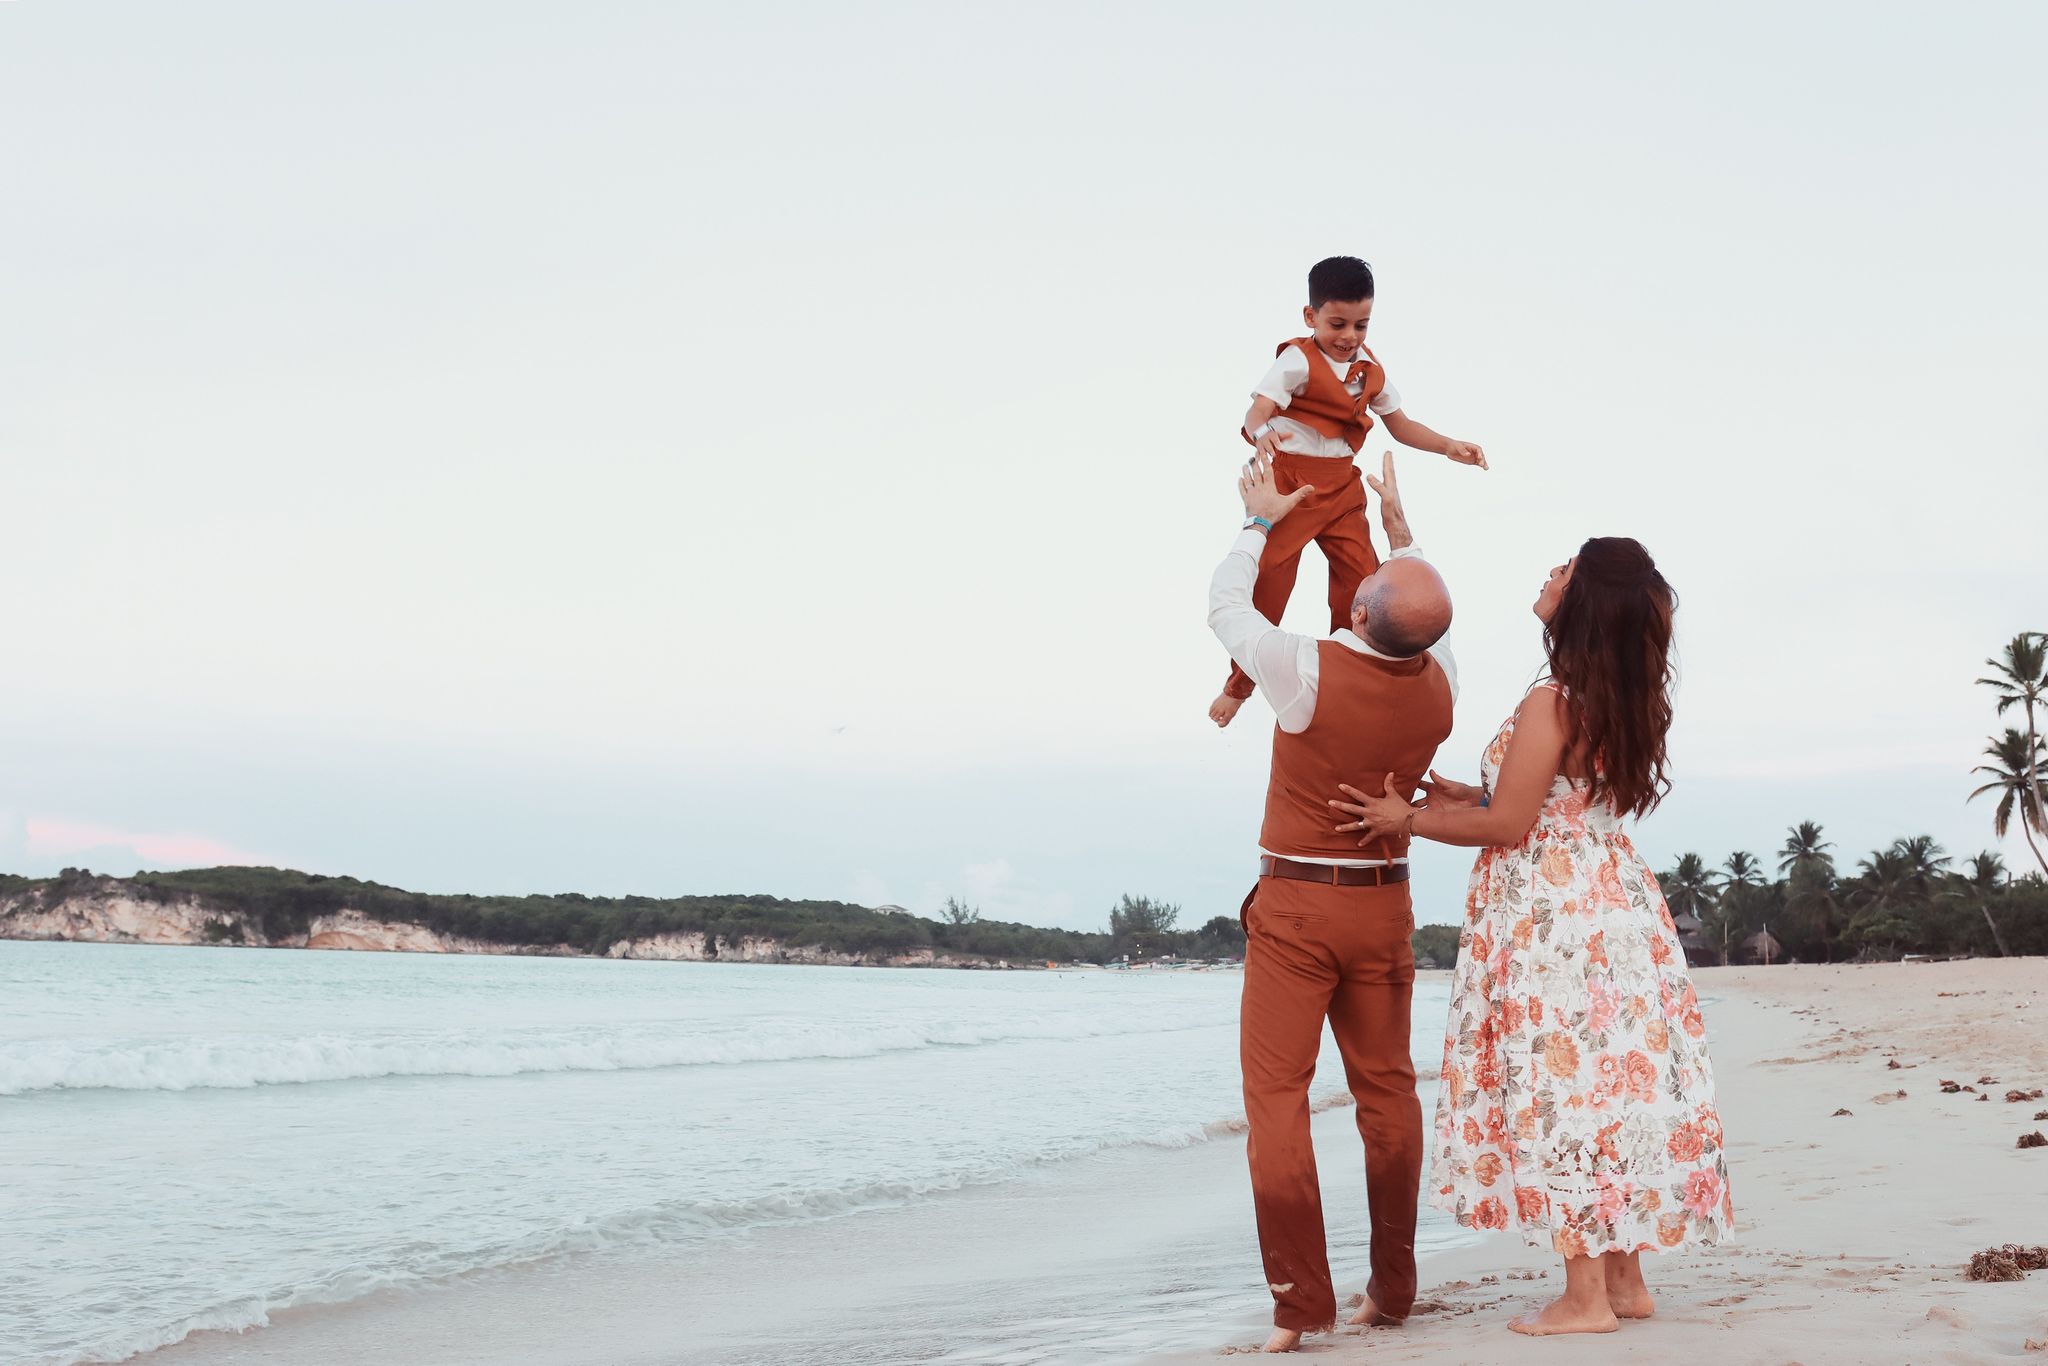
[1259,522]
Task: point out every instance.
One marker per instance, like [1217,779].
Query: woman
[1577,1101]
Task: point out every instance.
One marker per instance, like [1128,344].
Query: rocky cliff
[110,914]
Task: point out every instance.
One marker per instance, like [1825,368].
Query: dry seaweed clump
[2036,1139]
[2009,1263]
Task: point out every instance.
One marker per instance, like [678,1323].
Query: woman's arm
[1533,761]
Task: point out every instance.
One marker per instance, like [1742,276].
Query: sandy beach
[1855,1230]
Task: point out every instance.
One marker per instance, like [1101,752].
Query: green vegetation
[274,903]
[1902,899]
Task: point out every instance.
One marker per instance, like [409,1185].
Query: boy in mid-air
[1310,414]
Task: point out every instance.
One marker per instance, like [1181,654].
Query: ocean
[361,1147]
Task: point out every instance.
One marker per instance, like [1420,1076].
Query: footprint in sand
[1726,1300]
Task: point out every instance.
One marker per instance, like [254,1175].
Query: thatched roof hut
[1762,948]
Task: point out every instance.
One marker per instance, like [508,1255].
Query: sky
[783,448]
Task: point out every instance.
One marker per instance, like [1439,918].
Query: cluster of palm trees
[2020,678]
[1909,897]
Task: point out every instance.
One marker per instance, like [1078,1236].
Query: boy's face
[1340,326]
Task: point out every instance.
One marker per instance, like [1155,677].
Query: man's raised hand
[1262,496]
[1393,517]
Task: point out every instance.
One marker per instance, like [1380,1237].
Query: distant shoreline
[281,908]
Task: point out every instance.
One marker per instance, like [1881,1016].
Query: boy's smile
[1340,326]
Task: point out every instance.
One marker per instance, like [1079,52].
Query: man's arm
[1393,516]
[1400,542]
[1272,657]
[1409,432]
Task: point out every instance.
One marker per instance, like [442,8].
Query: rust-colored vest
[1373,717]
[1325,404]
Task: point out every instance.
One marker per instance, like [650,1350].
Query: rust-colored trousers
[1334,518]
[1342,953]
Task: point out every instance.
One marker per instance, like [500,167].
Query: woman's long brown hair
[1609,644]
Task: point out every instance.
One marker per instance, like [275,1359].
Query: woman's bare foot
[1283,1340]
[1582,1308]
[1627,1294]
[1220,711]
[1566,1315]
[1369,1316]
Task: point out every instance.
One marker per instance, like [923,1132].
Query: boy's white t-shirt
[1289,376]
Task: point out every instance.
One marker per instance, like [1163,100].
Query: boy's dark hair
[1343,278]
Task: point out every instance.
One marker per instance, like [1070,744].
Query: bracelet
[1260,523]
[1260,434]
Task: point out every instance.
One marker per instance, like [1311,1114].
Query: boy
[1310,414]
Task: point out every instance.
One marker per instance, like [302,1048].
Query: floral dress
[1577,1101]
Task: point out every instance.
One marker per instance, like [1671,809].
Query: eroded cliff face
[110,915]
[114,917]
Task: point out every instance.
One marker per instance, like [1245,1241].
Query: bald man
[1328,925]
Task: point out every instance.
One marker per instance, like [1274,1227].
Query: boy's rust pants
[1334,518]
[1316,951]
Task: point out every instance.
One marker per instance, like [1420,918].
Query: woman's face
[1553,590]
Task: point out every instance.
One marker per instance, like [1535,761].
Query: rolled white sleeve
[1288,377]
[1281,663]
[1387,400]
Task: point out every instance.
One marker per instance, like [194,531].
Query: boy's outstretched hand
[1465,452]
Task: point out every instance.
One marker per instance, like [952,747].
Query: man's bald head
[1403,608]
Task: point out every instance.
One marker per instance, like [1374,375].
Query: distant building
[1692,939]
[1762,948]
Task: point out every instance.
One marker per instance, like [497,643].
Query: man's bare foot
[1627,1295]
[1561,1317]
[1220,711]
[1369,1315]
[1283,1340]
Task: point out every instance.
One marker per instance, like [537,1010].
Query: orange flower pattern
[1576,1075]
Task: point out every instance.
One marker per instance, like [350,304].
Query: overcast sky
[783,448]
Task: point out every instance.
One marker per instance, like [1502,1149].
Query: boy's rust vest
[1373,717]
[1325,404]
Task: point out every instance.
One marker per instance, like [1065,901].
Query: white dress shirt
[1287,666]
[1289,376]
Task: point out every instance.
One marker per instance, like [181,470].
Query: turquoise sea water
[200,1138]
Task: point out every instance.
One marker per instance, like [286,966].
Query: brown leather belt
[1330,874]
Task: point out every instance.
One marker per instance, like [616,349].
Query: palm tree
[1922,859]
[1883,883]
[1985,876]
[1810,878]
[1689,892]
[2020,679]
[1737,876]
[2015,758]
[1689,887]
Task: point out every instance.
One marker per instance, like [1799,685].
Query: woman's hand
[1378,817]
[1441,791]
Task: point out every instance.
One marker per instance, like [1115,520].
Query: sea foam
[184,1063]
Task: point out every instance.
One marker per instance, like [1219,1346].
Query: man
[1327,930]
